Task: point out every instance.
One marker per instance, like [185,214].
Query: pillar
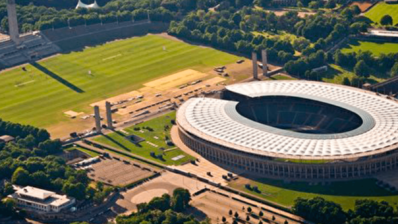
[97,119]
[265,62]
[109,114]
[254,60]
[12,21]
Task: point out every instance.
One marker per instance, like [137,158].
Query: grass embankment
[48,88]
[154,140]
[376,48]
[88,152]
[344,193]
[336,74]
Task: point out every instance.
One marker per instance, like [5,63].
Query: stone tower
[265,62]
[12,21]
[108,107]
[254,61]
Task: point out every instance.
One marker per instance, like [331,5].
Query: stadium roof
[218,121]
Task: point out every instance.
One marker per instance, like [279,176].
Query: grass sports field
[376,48]
[40,95]
[381,9]
[154,140]
[344,193]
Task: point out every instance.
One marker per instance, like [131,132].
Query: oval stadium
[294,129]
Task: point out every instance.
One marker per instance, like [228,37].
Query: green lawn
[281,77]
[381,9]
[336,74]
[88,152]
[375,47]
[41,95]
[118,140]
[344,193]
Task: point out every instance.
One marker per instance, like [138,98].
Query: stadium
[294,129]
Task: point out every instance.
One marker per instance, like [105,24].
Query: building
[6,138]
[80,4]
[41,200]
[300,130]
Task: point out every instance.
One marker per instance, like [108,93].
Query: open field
[344,193]
[336,74]
[154,140]
[375,48]
[381,9]
[42,94]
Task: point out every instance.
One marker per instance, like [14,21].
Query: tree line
[321,211]
[163,210]
[32,160]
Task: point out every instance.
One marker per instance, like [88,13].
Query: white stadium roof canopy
[218,121]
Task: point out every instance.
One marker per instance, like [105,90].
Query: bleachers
[299,114]
[33,46]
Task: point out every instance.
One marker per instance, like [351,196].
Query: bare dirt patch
[176,79]
[72,114]
[363,6]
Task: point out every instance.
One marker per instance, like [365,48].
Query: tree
[386,20]
[362,69]
[230,212]
[182,197]
[394,70]
[260,214]
[236,215]
[223,219]
[20,177]
[247,218]
[249,209]
[346,81]
[319,210]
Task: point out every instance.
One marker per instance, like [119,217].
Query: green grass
[62,83]
[378,11]
[344,193]
[88,152]
[376,48]
[281,77]
[301,161]
[336,74]
[118,140]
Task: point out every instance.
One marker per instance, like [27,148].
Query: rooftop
[218,121]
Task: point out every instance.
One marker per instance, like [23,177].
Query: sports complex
[294,129]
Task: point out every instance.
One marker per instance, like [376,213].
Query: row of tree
[163,210]
[321,211]
[364,63]
[31,160]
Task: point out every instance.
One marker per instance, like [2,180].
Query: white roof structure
[219,122]
[80,4]
[47,197]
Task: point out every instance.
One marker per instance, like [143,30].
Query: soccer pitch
[40,95]
[381,9]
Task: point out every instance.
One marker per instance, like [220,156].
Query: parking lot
[116,171]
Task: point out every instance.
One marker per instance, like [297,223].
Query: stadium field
[381,9]
[40,95]
[154,140]
[376,48]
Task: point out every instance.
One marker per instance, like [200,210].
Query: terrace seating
[299,114]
